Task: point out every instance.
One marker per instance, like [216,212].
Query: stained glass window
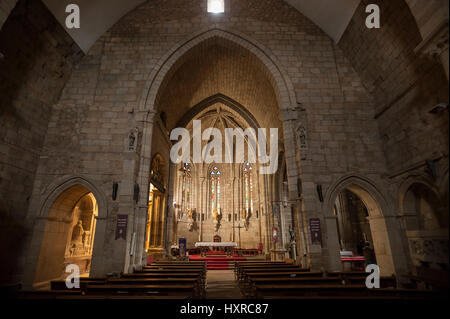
[215,189]
[186,187]
[248,187]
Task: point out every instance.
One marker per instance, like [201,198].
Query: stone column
[388,244]
[333,247]
[145,119]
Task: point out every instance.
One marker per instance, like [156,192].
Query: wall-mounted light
[115,189]
[299,187]
[320,192]
[136,193]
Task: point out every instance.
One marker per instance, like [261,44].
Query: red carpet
[217,262]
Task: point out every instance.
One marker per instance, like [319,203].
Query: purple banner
[316,232]
[121,228]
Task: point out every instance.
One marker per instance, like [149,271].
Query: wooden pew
[149,275]
[121,297]
[48,294]
[176,269]
[61,284]
[240,274]
[200,275]
[289,290]
[143,290]
[309,281]
[198,285]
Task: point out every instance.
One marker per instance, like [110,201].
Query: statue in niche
[192,214]
[132,140]
[77,241]
[217,216]
[292,233]
[77,233]
[301,137]
[246,218]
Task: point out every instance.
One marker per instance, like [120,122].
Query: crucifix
[239,227]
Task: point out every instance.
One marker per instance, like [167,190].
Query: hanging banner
[316,232]
[121,227]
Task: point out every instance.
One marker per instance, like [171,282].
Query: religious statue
[292,233]
[132,140]
[217,216]
[301,135]
[78,239]
[192,214]
[247,214]
[77,234]
[302,142]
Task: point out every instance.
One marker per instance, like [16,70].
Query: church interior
[358,167]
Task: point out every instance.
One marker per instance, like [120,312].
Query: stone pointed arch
[386,231]
[55,189]
[65,191]
[283,86]
[418,178]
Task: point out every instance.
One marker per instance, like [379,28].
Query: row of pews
[281,280]
[160,280]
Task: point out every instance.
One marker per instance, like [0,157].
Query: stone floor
[221,285]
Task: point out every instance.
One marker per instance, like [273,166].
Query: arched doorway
[69,234]
[353,224]
[357,211]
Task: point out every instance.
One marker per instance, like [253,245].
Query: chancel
[217,149]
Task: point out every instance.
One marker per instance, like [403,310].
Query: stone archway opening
[68,236]
[220,79]
[360,222]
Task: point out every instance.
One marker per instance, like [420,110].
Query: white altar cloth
[214,244]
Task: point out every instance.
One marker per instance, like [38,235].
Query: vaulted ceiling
[99,15]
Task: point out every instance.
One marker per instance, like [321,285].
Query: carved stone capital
[145,116]
[289,114]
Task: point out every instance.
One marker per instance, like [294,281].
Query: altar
[216,244]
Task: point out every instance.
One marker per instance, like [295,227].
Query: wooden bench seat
[335,291]
[162,275]
[310,290]
[61,284]
[48,294]
[120,297]
[198,284]
[144,290]
[241,273]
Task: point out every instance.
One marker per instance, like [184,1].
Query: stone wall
[37,60]
[404,85]
[340,92]
[107,86]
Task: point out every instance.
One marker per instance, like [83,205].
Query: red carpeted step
[215,262]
